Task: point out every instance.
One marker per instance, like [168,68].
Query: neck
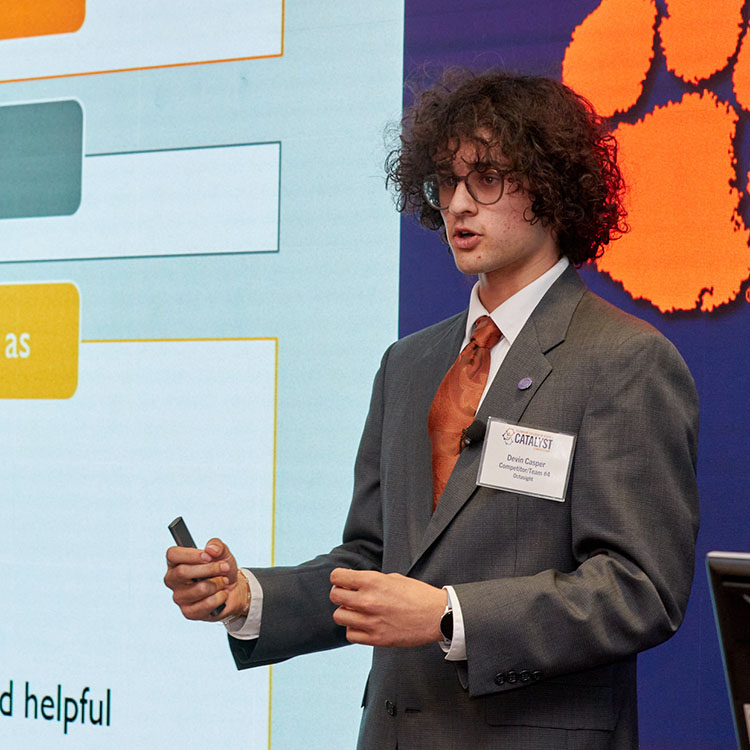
[500,285]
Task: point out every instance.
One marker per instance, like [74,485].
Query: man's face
[495,241]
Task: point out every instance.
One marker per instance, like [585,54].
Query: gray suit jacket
[557,598]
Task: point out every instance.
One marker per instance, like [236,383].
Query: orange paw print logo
[688,244]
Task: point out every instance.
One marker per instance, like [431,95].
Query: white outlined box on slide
[156,429]
[132,34]
[217,199]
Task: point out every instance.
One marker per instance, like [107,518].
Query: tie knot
[486,333]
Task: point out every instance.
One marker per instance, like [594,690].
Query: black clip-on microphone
[474,433]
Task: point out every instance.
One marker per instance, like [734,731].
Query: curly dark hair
[550,141]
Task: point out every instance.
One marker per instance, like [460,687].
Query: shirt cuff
[248,628]
[455,649]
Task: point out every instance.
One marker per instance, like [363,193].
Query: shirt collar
[511,316]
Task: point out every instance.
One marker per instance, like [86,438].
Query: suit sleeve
[633,512]
[297,613]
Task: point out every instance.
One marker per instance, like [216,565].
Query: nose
[462,202]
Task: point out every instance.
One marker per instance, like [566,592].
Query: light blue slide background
[329,294]
[154,428]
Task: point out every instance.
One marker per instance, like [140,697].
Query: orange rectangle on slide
[22,18]
[39,332]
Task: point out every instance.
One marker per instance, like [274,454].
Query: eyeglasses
[485,186]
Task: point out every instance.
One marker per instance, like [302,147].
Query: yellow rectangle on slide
[39,324]
[22,18]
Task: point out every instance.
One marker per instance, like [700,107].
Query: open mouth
[464,239]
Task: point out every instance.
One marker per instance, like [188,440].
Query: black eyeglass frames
[485,186]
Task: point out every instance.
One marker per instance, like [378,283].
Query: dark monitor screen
[729,576]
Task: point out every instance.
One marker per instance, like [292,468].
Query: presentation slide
[198,277]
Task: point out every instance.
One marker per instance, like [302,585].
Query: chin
[468,263]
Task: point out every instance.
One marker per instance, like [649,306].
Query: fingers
[199,578]
[349,598]
[350,618]
[217,550]
[186,565]
[359,625]
[201,610]
[362,628]
[350,591]
[190,555]
[355,589]
[363,637]
[195,592]
[353,579]
[358,589]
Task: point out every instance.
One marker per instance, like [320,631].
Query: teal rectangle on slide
[41,151]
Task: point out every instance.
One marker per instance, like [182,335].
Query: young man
[501,617]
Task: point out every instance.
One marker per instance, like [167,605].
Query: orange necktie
[456,402]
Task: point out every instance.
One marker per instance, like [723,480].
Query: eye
[490,178]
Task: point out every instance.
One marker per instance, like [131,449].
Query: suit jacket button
[500,678]
[390,707]
[525,675]
[536,675]
[512,677]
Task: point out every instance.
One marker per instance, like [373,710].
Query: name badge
[526,460]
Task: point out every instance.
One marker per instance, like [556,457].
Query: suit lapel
[427,374]
[545,329]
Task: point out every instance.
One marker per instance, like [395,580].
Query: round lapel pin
[524,384]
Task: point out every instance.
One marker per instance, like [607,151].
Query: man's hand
[380,609]
[221,582]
